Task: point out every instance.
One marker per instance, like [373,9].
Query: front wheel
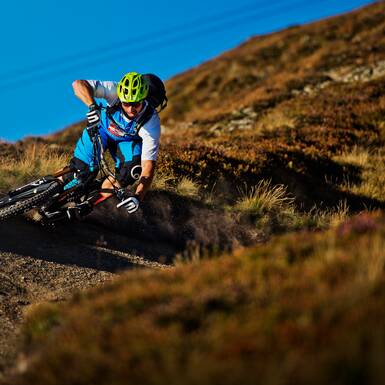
[21,206]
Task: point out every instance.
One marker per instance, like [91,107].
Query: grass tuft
[187,187]
[357,156]
[161,181]
[264,197]
[372,165]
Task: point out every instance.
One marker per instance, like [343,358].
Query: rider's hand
[131,204]
[93,120]
[92,131]
[93,115]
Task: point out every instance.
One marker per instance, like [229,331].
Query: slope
[305,308]
[283,133]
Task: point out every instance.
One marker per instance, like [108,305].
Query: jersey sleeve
[150,134]
[104,90]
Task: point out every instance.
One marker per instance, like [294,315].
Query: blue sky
[46,44]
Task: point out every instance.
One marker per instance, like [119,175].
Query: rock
[358,74]
[215,127]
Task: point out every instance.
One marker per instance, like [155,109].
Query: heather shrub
[304,308]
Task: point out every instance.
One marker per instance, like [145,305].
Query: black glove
[93,120]
[129,202]
[93,115]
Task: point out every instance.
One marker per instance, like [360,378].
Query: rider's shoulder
[151,116]
[151,128]
[154,118]
[104,89]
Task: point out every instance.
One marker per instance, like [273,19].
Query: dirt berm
[43,263]
[48,264]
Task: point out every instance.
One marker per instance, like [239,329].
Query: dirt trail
[40,264]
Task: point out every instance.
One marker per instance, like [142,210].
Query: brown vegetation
[266,69]
[305,308]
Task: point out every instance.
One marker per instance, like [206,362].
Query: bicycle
[56,200]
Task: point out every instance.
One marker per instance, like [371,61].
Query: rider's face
[132,109]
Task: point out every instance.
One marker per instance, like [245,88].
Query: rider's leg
[84,168]
[86,152]
[83,164]
[108,184]
[82,171]
[129,168]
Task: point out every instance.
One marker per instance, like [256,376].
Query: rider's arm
[148,170]
[87,90]
[84,91]
[150,134]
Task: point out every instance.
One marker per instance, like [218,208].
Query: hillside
[264,71]
[280,107]
[303,309]
[320,94]
[277,146]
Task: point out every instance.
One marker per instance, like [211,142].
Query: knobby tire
[25,205]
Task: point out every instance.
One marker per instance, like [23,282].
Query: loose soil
[39,264]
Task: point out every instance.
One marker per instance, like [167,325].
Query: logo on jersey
[136,172]
[116,131]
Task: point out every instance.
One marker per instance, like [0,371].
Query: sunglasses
[132,104]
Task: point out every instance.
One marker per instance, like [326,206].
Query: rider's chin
[129,115]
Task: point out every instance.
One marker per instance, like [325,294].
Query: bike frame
[71,194]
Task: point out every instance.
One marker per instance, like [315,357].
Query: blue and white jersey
[149,133]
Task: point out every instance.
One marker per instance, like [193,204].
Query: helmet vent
[132,88]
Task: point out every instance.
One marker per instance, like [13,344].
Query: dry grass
[339,215]
[187,187]
[269,207]
[372,165]
[275,210]
[37,160]
[272,120]
[161,181]
[356,156]
[183,186]
[320,219]
[263,198]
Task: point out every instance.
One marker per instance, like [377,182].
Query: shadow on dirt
[177,221]
[69,245]
[168,224]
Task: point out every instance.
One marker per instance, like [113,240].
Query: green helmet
[132,88]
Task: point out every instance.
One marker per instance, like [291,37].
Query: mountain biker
[129,128]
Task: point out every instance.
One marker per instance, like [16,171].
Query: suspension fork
[100,162]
